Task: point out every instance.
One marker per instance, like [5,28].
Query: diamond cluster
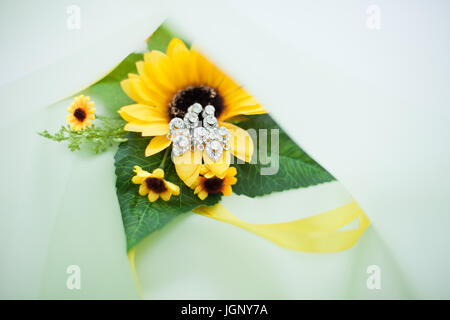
[191,134]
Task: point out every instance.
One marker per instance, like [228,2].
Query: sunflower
[81,113]
[166,85]
[208,183]
[153,184]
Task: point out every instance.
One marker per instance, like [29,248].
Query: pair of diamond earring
[191,133]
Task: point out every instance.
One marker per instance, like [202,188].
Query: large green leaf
[295,168]
[141,217]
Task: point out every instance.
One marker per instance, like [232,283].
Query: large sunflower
[166,85]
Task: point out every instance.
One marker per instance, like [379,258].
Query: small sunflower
[167,84]
[81,113]
[154,185]
[207,183]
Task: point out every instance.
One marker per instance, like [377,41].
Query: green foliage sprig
[106,133]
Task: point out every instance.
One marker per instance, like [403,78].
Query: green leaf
[141,217]
[109,91]
[295,169]
[159,40]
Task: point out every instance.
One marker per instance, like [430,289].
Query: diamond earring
[189,134]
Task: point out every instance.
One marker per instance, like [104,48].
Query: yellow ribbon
[133,270]
[319,233]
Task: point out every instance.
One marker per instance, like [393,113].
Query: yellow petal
[202,195]
[145,94]
[158,173]
[137,179]
[165,195]
[231,172]
[226,191]
[173,188]
[208,175]
[138,170]
[176,46]
[126,87]
[236,96]
[192,179]
[198,188]
[155,129]
[71,108]
[154,57]
[227,87]
[205,172]
[231,180]
[184,71]
[133,76]
[188,166]
[231,112]
[195,183]
[140,66]
[207,72]
[240,98]
[230,176]
[219,167]
[143,190]
[142,114]
[241,143]
[140,176]
[157,144]
[159,68]
[153,196]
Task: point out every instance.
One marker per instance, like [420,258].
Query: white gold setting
[189,133]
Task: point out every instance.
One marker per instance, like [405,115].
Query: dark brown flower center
[204,95]
[155,184]
[80,114]
[213,185]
